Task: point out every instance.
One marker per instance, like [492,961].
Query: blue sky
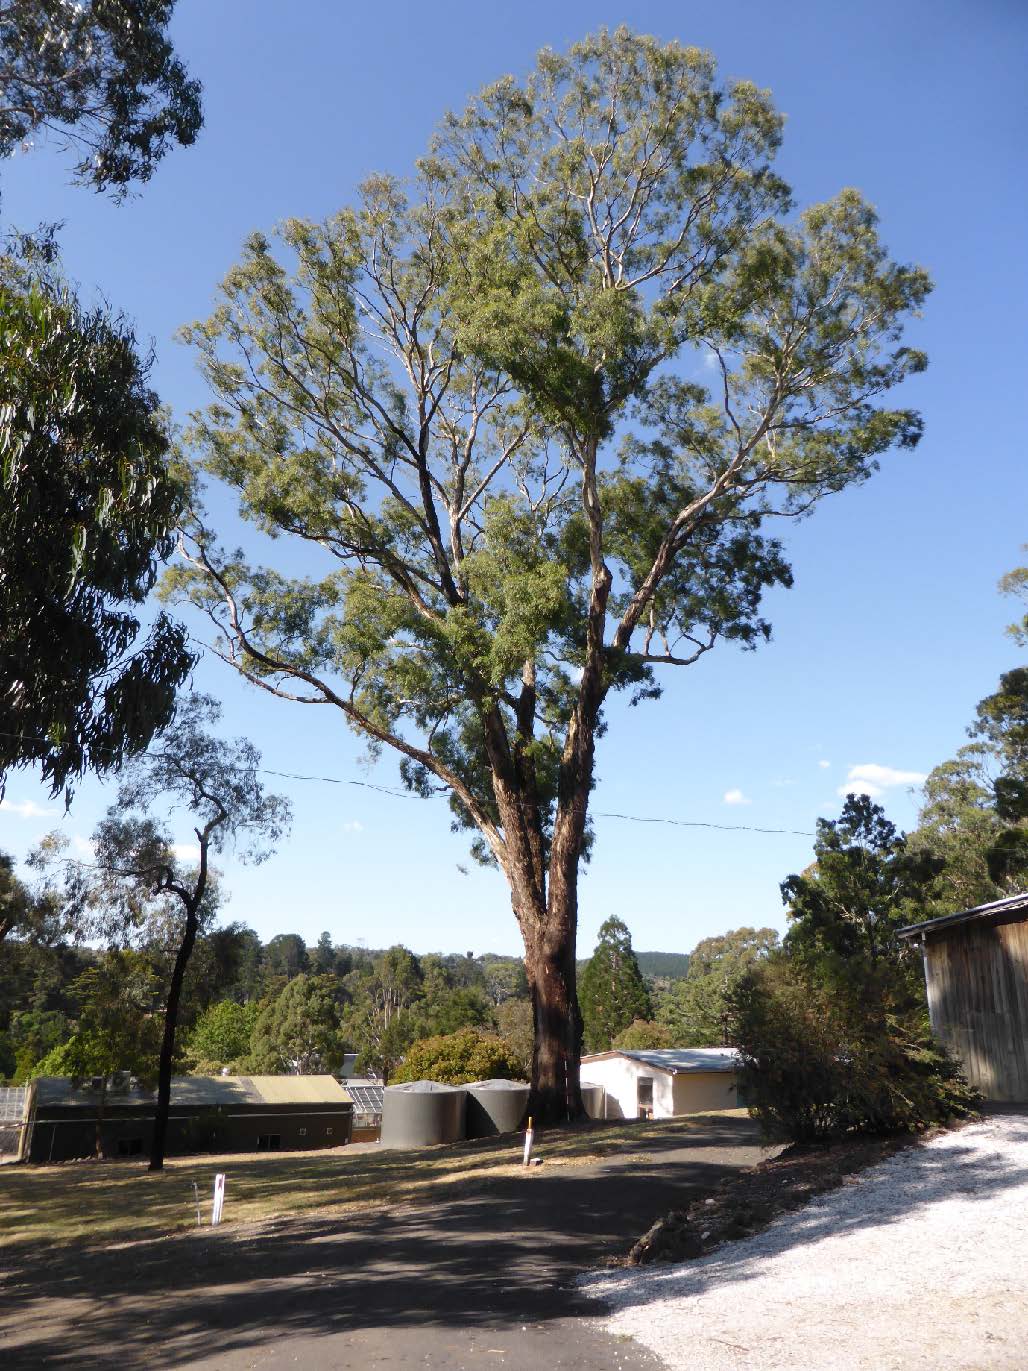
[893,630]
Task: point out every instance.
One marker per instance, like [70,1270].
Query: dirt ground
[482,1278]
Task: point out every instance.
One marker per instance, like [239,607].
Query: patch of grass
[92,1203]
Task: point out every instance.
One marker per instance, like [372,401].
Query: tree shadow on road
[507,1251]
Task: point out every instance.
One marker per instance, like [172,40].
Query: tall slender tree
[141,880]
[613,992]
[531,416]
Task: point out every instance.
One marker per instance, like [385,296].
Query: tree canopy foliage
[694,1010]
[459,1058]
[83,476]
[298,1033]
[974,819]
[1015,584]
[480,401]
[612,991]
[100,77]
[865,884]
[833,1028]
[642,1035]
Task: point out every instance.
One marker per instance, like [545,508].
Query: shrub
[839,1047]
[457,1058]
[221,1035]
[643,1035]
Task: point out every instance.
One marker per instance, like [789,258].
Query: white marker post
[219,1198]
[529,1135]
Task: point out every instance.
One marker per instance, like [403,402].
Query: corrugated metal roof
[1013,904]
[678,1060]
[202,1091]
[298,1089]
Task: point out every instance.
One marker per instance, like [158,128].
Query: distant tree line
[275,1007]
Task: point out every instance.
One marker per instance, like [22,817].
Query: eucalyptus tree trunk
[191,904]
[550,967]
[160,1123]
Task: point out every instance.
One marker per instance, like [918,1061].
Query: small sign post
[219,1198]
[529,1135]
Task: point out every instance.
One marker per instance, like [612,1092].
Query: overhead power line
[600,814]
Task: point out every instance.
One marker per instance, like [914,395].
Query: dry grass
[101,1203]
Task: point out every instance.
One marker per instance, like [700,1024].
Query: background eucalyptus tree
[99,77]
[140,881]
[87,510]
[529,414]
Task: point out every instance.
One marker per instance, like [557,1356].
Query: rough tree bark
[191,902]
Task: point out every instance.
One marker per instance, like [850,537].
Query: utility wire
[600,814]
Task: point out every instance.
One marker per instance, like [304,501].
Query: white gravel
[921,1262]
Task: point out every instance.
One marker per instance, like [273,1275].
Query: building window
[269,1142]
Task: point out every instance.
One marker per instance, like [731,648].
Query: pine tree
[612,992]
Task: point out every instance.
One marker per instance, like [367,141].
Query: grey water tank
[592,1099]
[496,1107]
[420,1113]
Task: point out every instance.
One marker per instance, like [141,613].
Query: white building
[665,1082]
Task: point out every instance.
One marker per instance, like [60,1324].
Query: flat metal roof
[677,1061]
[202,1091]
[1013,904]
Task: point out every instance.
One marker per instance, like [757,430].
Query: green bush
[840,1047]
[221,1035]
[643,1035]
[457,1058]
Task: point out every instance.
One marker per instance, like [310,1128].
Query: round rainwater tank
[496,1107]
[420,1113]
[592,1099]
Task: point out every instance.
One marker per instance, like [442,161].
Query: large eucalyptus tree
[529,415]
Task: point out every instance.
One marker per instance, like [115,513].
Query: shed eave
[1012,904]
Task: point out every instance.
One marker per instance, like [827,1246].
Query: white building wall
[695,1092]
[692,1092]
[619,1077]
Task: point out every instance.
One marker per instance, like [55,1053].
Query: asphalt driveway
[483,1280]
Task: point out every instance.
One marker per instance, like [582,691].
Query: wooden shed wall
[977,980]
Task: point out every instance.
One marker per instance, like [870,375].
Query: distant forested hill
[671,966]
[674,965]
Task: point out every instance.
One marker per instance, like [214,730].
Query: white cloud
[82,846]
[735,797]
[186,852]
[824,765]
[869,778]
[353,826]
[25,809]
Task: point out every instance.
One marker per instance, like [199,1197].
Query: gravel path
[919,1263]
